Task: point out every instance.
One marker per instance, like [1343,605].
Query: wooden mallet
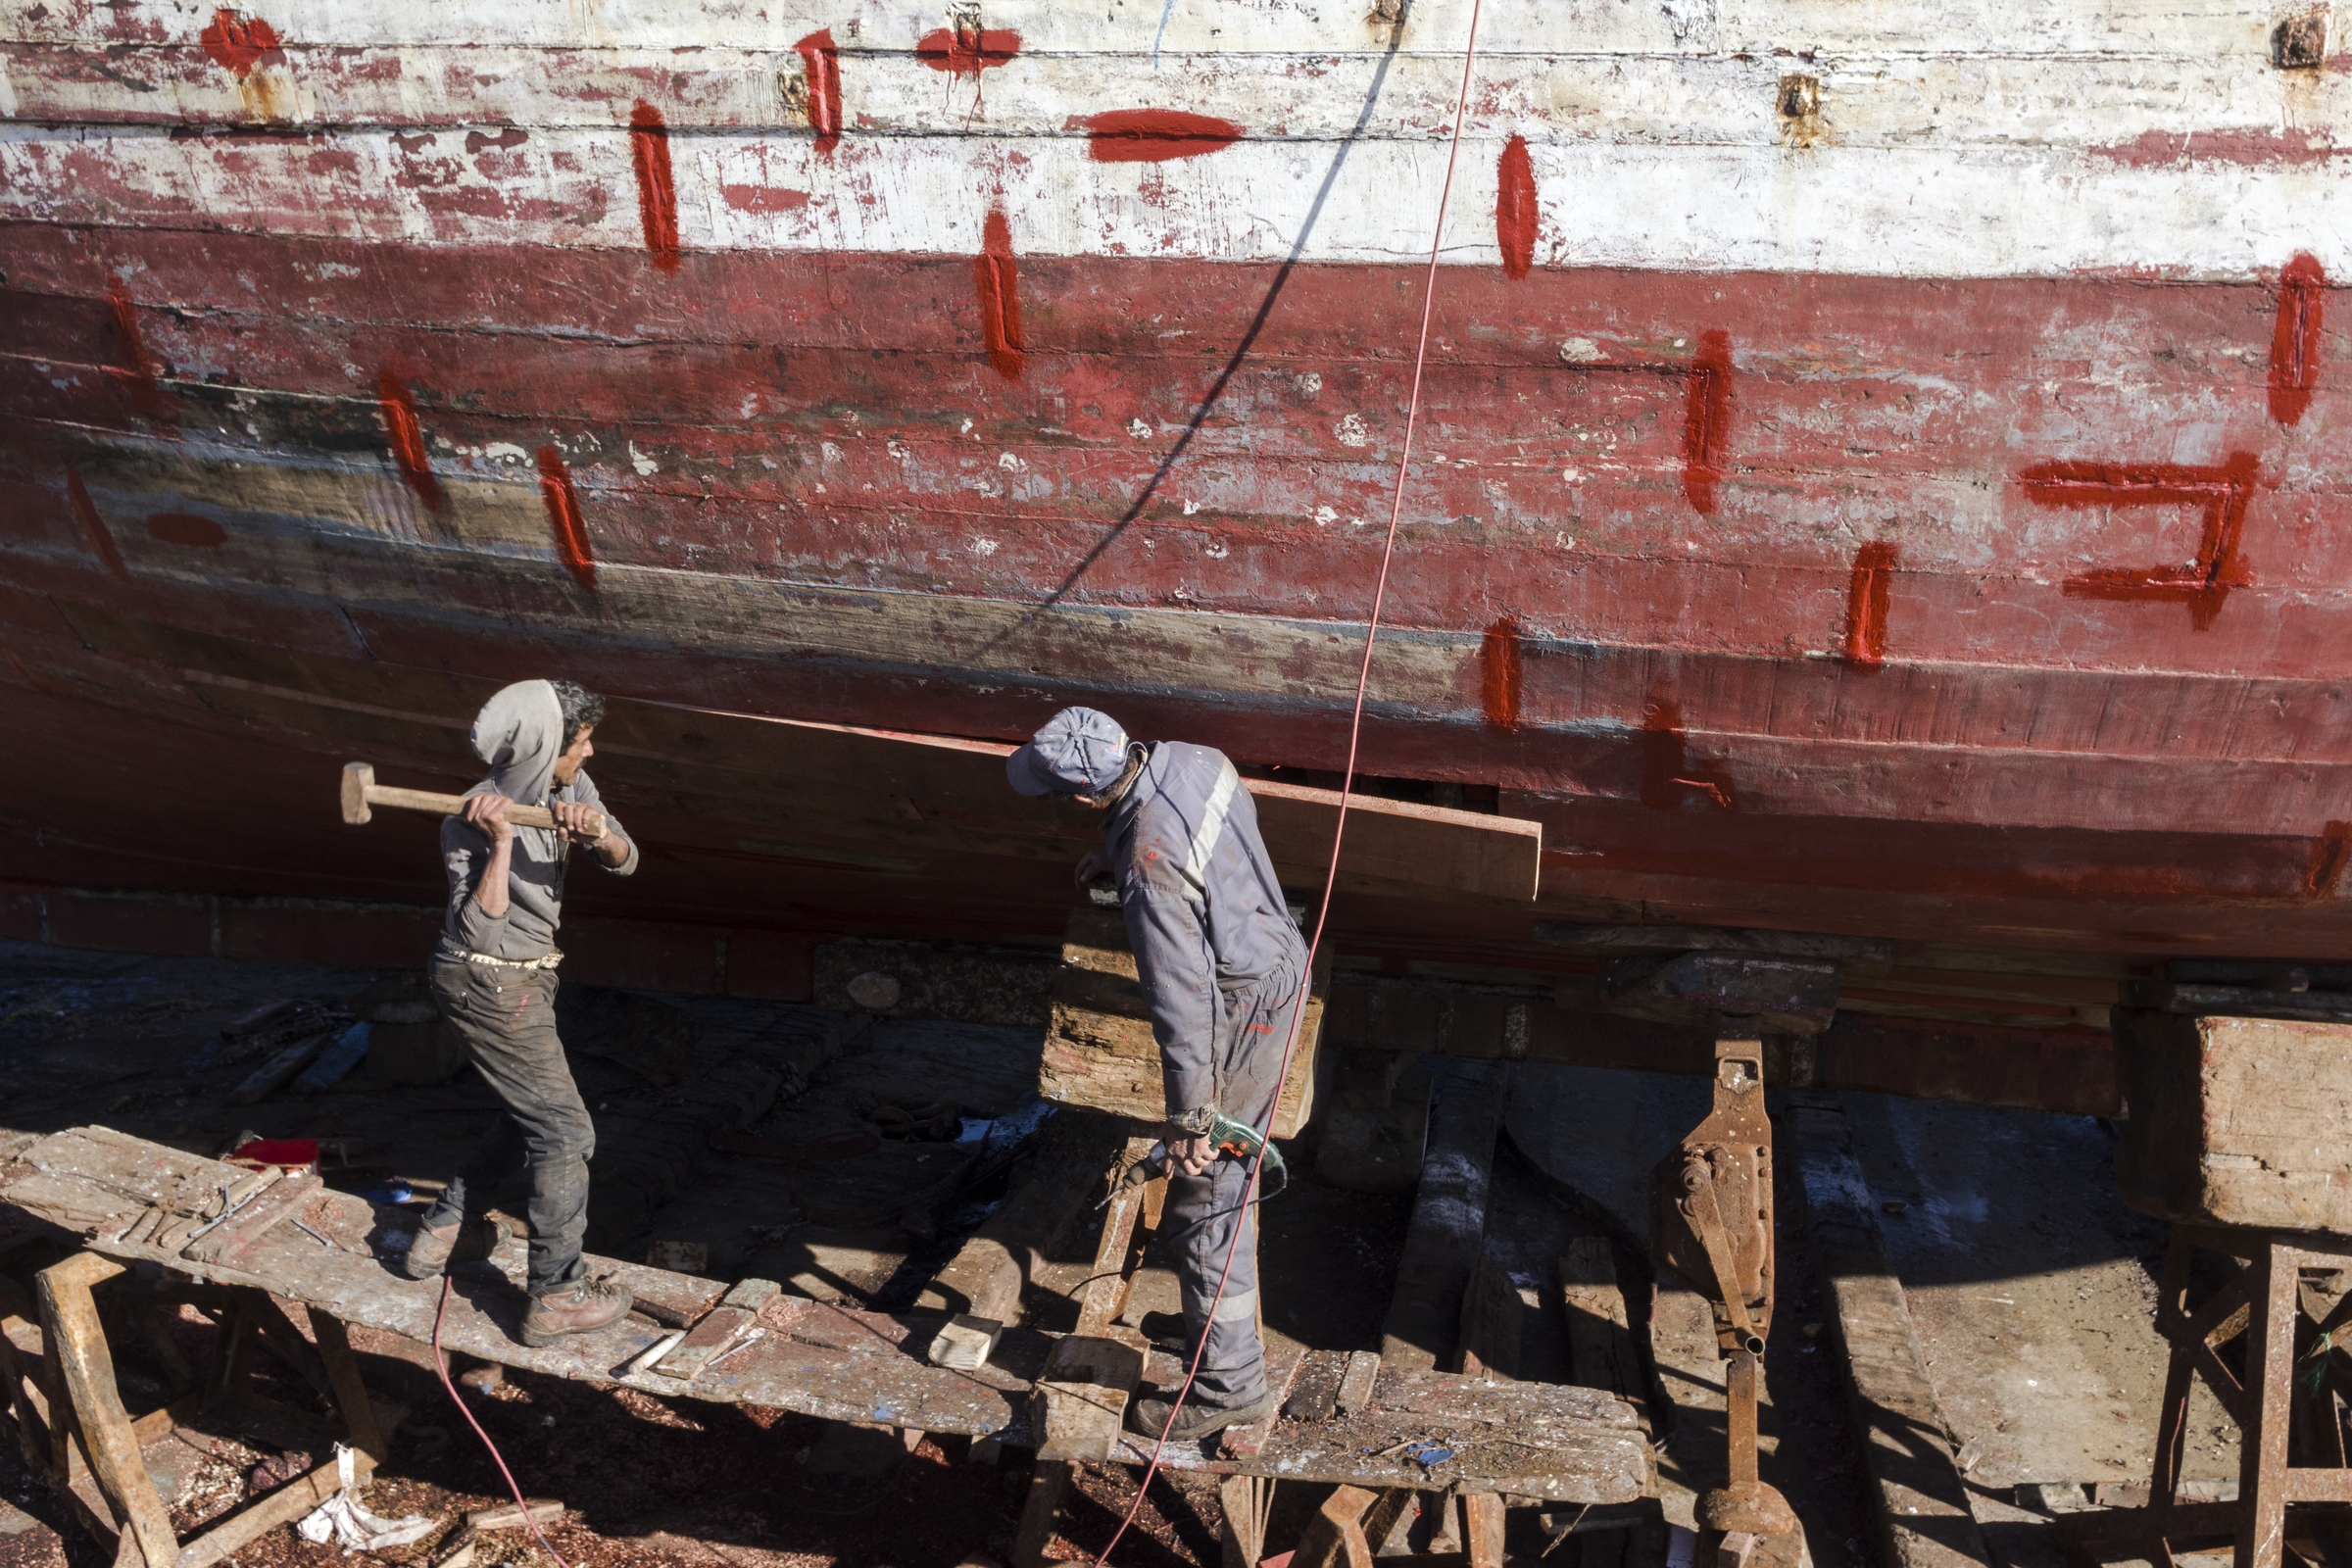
[361,791]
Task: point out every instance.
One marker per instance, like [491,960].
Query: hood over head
[520,733]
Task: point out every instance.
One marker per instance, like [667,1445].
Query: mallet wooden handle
[361,792]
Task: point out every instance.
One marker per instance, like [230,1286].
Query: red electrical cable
[441,1365]
[1355,729]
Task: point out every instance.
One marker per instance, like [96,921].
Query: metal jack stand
[75,1431]
[1710,1221]
[2292,1428]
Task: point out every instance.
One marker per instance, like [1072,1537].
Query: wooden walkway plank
[1533,1440]
[1921,1503]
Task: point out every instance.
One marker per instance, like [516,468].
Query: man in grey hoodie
[494,975]
[1222,964]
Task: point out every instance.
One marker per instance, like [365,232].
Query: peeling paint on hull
[1880,523]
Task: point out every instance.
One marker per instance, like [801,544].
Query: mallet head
[357,779]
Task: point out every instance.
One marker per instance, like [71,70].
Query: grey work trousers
[1204,1211]
[506,1018]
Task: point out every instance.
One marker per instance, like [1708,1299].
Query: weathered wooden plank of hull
[1816,490]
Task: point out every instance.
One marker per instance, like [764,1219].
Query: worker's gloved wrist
[1195,1123]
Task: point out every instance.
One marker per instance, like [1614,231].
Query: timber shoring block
[1447,1234]
[1921,1503]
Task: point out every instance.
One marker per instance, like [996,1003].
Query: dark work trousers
[1204,1211]
[506,1018]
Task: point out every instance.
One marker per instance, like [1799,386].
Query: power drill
[1235,1139]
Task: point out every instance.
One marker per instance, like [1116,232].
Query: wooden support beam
[351,1395]
[1921,1502]
[985,1277]
[1600,1341]
[1049,1484]
[1447,1234]
[1482,1518]
[75,1344]
[1244,1503]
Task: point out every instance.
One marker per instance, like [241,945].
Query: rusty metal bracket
[1711,1221]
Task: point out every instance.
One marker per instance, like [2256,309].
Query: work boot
[581,1308]
[1198,1419]
[432,1252]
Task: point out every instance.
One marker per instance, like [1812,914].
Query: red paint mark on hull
[657,194]
[2330,851]
[85,513]
[763,198]
[998,278]
[1500,669]
[823,57]
[239,43]
[1866,604]
[1667,776]
[185,528]
[2161,149]
[1156,135]
[2219,491]
[564,518]
[1707,420]
[2295,338]
[408,440]
[966,51]
[137,375]
[1515,209]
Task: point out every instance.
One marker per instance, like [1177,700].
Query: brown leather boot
[433,1251]
[581,1308]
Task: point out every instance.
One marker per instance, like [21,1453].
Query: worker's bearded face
[568,766]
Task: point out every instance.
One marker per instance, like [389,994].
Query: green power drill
[1236,1140]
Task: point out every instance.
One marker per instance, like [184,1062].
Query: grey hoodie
[1204,910]
[520,733]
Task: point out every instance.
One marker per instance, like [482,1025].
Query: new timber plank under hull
[1894,497]
[1552,1442]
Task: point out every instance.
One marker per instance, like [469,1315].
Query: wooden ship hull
[1873,479]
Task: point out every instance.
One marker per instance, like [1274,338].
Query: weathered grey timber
[1447,1230]
[814,1358]
[1924,1517]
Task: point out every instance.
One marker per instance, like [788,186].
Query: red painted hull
[2000,611]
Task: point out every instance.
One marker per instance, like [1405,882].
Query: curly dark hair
[581,708]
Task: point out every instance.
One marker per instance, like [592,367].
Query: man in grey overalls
[1221,964]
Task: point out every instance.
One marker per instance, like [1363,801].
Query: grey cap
[1079,752]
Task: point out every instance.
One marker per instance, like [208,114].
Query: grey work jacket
[534,881]
[1204,911]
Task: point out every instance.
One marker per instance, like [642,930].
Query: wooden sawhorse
[76,1433]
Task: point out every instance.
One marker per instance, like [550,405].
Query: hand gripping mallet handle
[361,791]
